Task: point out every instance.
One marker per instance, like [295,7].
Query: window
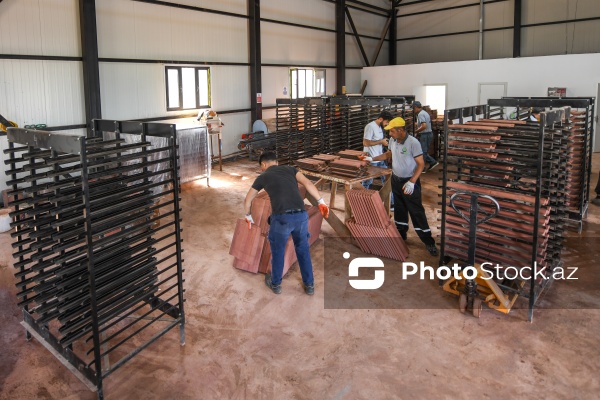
[307,82]
[188,88]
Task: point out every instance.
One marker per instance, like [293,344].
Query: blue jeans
[282,225]
[426,139]
[367,184]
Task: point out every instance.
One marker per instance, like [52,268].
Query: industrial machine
[258,140]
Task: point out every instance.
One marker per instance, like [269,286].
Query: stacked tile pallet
[578,153]
[99,268]
[581,134]
[250,247]
[311,164]
[349,116]
[521,165]
[372,227]
[300,128]
[459,116]
[317,163]
[309,126]
[398,106]
[349,168]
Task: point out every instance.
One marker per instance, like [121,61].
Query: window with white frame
[188,88]
[307,82]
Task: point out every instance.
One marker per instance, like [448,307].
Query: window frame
[294,86]
[179,70]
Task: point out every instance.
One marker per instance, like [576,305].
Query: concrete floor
[244,342]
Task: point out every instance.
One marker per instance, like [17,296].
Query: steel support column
[393,44]
[89,53]
[340,45]
[517,29]
[481,29]
[255,59]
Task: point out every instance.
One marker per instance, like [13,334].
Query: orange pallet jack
[472,293]
[4,123]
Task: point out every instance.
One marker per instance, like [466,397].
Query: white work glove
[249,220]
[367,158]
[408,188]
[324,208]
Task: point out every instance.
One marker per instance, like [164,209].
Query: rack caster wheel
[477,306]
[462,303]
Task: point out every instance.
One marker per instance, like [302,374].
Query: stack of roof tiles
[351,154]
[348,167]
[575,161]
[319,162]
[311,164]
[251,248]
[372,227]
[326,157]
[499,158]
[437,124]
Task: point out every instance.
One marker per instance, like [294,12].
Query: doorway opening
[435,97]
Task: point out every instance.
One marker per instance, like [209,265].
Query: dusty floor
[244,342]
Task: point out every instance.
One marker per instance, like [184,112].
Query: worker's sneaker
[433,166]
[432,249]
[596,201]
[309,289]
[425,169]
[275,288]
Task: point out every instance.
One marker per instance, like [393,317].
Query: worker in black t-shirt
[289,217]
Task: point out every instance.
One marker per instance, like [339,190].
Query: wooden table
[372,173]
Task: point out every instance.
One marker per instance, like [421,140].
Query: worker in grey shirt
[407,164]
[424,133]
[374,140]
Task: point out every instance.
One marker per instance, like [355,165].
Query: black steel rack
[310,126]
[522,165]
[581,136]
[462,115]
[97,240]
[300,128]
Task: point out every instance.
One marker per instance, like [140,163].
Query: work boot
[433,166]
[275,288]
[309,289]
[432,249]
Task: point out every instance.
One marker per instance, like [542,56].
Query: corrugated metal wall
[134,36]
[140,31]
[41,91]
[416,25]
[567,38]
[140,34]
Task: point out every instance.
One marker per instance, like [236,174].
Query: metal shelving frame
[98,242]
[539,162]
[579,212]
[309,126]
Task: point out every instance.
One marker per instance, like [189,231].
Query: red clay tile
[246,246]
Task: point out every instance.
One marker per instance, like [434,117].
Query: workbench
[372,173]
